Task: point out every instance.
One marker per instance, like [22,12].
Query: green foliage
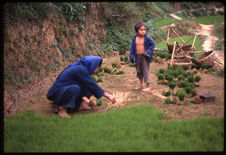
[181,94]
[107,70]
[99,79]
[209,19]
[121,72]
[114,64]
[161,70]
[99,102]
[167,93]
[185,84]
[185,67]
[122,58]
[197,78]
[172,84]
[167,101]
[221,72]
[126,58]
[191,78]
[123,130]
[94,77]
[160,76]
[181,77]
[188,89]
[132,65]
[156,33]
[170,78]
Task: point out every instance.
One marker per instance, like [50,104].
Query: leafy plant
[122,58]
[132,65]
[167,93]
[114,64]
[99,79]
[121,72]
[161,70]
[99,101]
[191,78]
[172,84]
[107,70]
[170,78]
[181,77]
[160,76]
[126,58]
[167,101]
[188,89]
[197,78]
[185,67]
[181,94]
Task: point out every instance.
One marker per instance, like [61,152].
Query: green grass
[185,38]
[135,129]
[163,22]
[209,19]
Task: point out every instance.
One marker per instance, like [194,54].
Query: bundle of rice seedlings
[121,98]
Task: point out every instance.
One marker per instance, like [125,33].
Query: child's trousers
[143,68]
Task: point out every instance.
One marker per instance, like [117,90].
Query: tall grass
[134,129]
[185,38]
[163,22]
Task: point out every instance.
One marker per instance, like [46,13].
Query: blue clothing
[148,46]
[75,82]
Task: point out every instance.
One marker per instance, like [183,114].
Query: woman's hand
[110,97]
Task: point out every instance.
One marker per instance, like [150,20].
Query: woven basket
[184,48]
[181,62]
[207,58]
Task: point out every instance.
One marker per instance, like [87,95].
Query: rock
[197,100]
[194,92]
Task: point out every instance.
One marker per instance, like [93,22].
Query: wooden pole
[168,35]
[177,35]
[184,44]
[193,43]
[174,45]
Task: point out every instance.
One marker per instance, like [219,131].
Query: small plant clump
[161,70]
[167,93]
[172,84]
[188,89]
[122,58]
[180,78]
[167,101]
[114,64]
[191,78]
[99,79]
[99,101]
[160,76]
[121,72]
[107,70]
[197,78]
[170,78]
[181,94]
[132,65]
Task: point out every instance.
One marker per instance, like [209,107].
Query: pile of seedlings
[181,82]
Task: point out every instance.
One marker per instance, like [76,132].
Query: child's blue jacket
[148,46]
[74,82]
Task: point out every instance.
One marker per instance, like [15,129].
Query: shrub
[181,94]
[172,84]
[170,78]
[126,58]
[185,67]
[121,72]
[181,77]
[188,89]
[185,84]
[197,78]
[100,79]
[167,101]
[99,101]
[176,73]
[161,70]
[132,65]
[185,74]
[160,76]
[114,64]
[122,58]
[107,70]
[191,78]
[204,66]
[167,93]
[170,67]
[169,56]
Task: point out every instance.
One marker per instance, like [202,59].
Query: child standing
[141,53]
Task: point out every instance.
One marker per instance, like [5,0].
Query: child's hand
[112,98]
